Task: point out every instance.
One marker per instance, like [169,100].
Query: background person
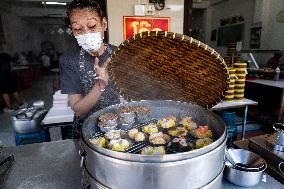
[8,84]
[48,54]
[274,61]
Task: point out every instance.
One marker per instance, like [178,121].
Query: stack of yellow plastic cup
[227,60]
[231,49]
[239,90]
[229,94]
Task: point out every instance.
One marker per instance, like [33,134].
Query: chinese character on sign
[133,25]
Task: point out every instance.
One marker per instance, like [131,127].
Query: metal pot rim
[158,158]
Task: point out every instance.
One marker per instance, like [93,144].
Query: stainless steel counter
[270,96]
[271,83]
[51,165]
[55,165]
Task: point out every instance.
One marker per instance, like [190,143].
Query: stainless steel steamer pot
[193,169]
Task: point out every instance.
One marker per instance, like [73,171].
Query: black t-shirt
[77,75]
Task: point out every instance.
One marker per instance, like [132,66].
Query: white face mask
[90,41]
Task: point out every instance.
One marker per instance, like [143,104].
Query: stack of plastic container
[229,94]
[231,49]
[228,60]
[239,90]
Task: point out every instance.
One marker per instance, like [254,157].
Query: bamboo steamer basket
[158,65]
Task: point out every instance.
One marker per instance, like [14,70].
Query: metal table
[58,117]
[269,85]
[56,165]
[237,104]
[50,165]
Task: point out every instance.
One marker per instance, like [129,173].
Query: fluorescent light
[53,3]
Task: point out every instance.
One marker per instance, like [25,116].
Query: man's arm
[82,105]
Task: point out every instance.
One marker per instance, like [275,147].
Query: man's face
[86,21]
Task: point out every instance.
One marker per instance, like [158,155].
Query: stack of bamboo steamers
[237,72]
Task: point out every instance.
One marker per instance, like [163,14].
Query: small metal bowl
[143,114]
[143,117]
[127,126]
[110,122]
[127,118]
[114,135]
[241,177]
[245,176]
[105,127]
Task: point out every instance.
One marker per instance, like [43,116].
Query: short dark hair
[86,4]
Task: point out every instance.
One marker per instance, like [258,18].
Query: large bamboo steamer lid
[158,65]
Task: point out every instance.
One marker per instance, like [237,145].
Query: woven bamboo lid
[168,66]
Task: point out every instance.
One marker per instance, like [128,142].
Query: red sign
[136,24]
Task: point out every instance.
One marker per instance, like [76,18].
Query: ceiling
[35,8]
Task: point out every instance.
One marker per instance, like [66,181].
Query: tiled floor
[41,89]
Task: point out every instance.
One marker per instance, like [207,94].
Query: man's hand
[102,74]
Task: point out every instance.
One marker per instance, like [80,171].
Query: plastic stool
[29,138]
[229,119]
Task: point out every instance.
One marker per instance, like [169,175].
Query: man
[274,61]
